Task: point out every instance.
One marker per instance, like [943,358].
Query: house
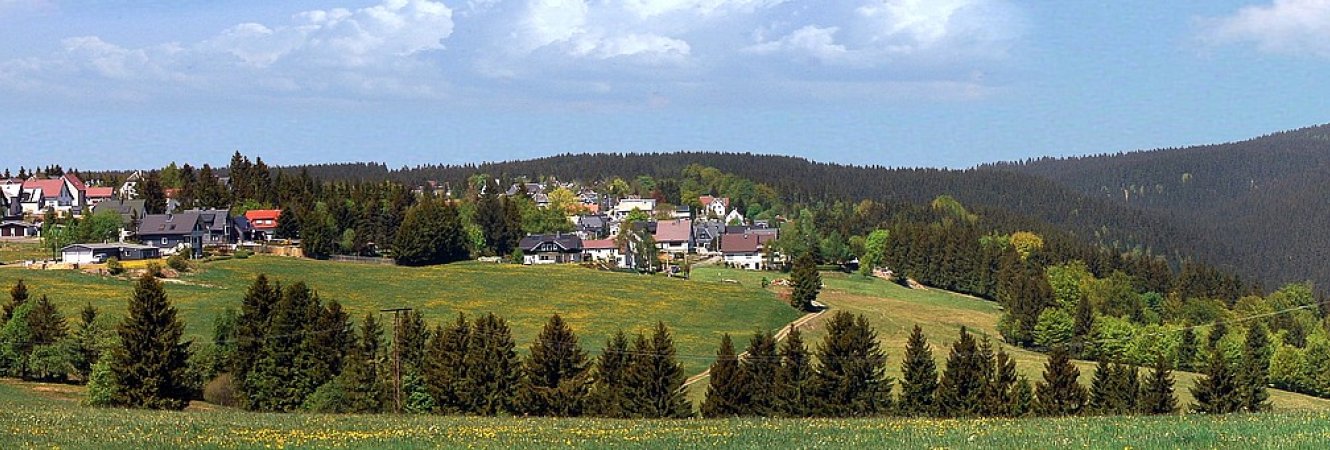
[714,206]
[18,229]
[100,253]
[264,222]
[745,250]
[682,212]
[628,205]
[99,194]
[171,232]
[551,249]
[674,236]
[129,189]
[734,217]
[706,236]
[602,250]
[130,211]
[220,227]
[592,226]
[65,195]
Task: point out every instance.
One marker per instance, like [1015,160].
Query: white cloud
[819,43]
[371,51]
[1292,27]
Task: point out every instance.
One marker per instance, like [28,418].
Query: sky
[113,84]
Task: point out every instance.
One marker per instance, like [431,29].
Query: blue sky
[120,84]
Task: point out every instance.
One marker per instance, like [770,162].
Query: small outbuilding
[100,253]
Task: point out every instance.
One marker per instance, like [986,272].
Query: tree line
[287,350]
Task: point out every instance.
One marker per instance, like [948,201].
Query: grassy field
[894,310]
[46,416]
[11,251]
[595,303]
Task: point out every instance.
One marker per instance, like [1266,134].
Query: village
[675,235]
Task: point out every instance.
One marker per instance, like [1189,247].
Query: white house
[745,250]
[734,217]
[713,206]
[627,205]
[100,253]
[602,250]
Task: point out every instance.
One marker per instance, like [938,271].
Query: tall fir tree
[1187,350]
[850,379]
[959,393]
[1101,386]
[919,380]
[557,375]
[1128,388]
[445,370]
[807,282]
[87,348]
[761,370]
[794,379]
[152,194]
[1157,397]
[359,387]
[46,326]
[251,327]
[492,367]
[1060,393]
[609,394]
[280,381]
[1217,392]
[727,393]
[1083,326]
[18,295]
[998,393]
[656,379]
[1022,398]
[1255,370]
[149,365]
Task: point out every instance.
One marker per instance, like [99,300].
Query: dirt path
[780,336]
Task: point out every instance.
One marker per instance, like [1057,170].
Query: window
[163,241]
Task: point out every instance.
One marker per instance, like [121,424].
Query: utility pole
[397,355]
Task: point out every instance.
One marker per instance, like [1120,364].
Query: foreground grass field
[595,303]
[45,416]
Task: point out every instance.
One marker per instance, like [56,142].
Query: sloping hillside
[1267,198]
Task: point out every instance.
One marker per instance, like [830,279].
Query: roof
[108,246]
[168,224]
[19,223]
[599,244]
[49,187]
[706,200]
[213,219]
[592,221]
[568,242]
[101,192]
[743,242]
[674,230]
[263,214]
[128,208]
[75,181]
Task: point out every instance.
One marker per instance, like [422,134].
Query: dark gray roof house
[129,210]
[551,248]
[168,231]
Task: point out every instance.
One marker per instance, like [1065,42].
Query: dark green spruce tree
[18,295]
[1060,393]
[557,375]
[251,328]
[794,379]
[1255,370]
[960,392]
[655,378]
[1187,350]
[1101,386]
[609,392]
[806,281]
[998,393]
[149,365]
[1217,392]
[1084,325]
[919,381]
[1157,397]
[850,379]
[492,367]
[761,370]
[445,370]
[727,391]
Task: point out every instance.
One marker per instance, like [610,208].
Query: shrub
[178,262]
[1054,327]
[221,391]
[155,268]
[103,388]
[114,267]
[243,254]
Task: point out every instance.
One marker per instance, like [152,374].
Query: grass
[44,416]
[595,303]
[15,251]
[894,310]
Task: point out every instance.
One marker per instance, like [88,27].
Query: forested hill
[800,180]
[1268,197]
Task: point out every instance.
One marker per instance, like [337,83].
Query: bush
[103,388]
[243,254]
[1054,327]
[179,262]
[114,267]
[221,391]
[155,268]
[50,363]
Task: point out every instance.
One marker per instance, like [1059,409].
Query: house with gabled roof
[714,206]
[264,222]
[66,195]
[745,250]
[674,236]
[556,248]
[173,232]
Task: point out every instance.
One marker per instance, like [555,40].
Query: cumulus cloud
[573,51]
[1292,27]
[368,50]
